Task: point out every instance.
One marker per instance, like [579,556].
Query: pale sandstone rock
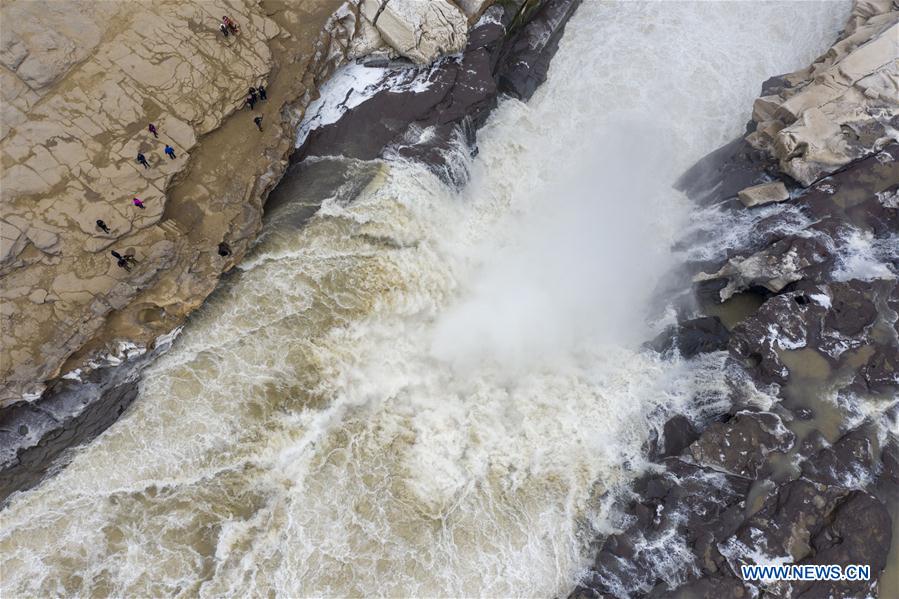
[765,193]
[69,159]
[419,30]
[842,107]
[773,268]
[473,9]
[863,11]
[102,71]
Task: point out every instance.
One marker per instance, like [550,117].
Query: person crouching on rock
[137,202]
[258,121]
[121,260]
[102,226]
[224,250]
[231,25]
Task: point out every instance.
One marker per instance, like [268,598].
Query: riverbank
[794,261]
[102,376]
[68,308]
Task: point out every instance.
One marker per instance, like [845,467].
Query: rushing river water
[423,391]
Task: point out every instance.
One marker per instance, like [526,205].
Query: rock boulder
[420,31]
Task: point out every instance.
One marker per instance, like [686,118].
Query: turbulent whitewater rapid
[422,391]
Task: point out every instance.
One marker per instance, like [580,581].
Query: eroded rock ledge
[804,466]
[69,309]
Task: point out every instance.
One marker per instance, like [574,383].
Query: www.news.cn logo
[806,572]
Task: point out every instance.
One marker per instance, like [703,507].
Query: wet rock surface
[693,337]
[34,436]
[811,477]
[425,113]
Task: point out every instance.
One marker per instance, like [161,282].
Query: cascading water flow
[422,391]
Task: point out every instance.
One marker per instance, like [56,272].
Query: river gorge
[415,385]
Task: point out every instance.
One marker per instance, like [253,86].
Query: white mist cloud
[580,265]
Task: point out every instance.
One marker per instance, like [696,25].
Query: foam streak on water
[423,392]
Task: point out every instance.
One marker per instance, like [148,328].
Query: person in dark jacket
[120,260]
[102,226]
[258,121]
[143,160]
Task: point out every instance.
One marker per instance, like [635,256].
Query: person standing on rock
[102,226]
[224,29]
[129,258]
[152,129]
[251,101]
[258,121]
[262,95]
[170,151]
[253,94]
[137,202]
[143,160]
[120,260]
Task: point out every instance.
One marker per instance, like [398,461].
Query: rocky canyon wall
[801,292]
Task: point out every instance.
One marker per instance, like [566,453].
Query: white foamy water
[423,392]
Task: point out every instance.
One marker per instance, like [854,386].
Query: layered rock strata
[802,469]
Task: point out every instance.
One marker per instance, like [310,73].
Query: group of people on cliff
[228,27]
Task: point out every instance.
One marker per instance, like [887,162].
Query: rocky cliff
[82,82]
[801,292]
[78,328]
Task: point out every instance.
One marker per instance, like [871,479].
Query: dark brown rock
[741,444]
[438,109]
[677,434]
[524,63]
[859,531]
[693,337]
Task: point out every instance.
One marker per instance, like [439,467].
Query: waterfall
[420,391]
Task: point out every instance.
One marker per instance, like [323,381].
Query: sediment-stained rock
[812,479]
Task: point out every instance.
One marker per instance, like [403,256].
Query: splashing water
[421,392]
